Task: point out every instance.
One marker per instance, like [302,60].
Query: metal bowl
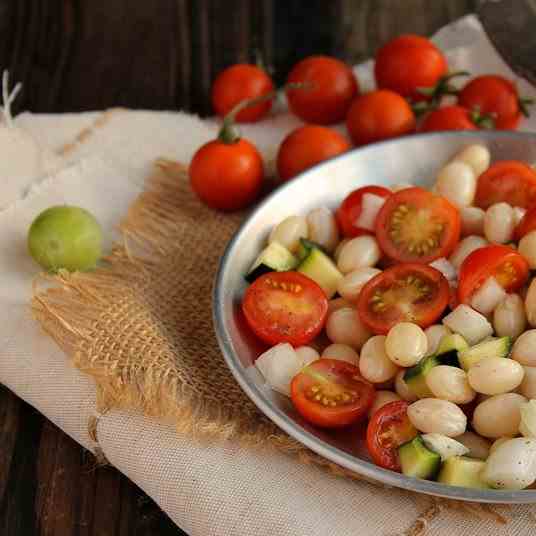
[413,159]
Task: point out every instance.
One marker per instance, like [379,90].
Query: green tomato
[65,237]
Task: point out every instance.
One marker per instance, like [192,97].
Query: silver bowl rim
[293,429]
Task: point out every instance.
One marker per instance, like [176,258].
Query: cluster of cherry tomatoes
[412,78]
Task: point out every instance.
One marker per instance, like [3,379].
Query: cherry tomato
[494,95]
[527,224]
[408,63]
[389,428]
[307,146]
[448,118]
[331,393]
[403,293]
[330,86]
[238,83]
[505,264]
[415,225]
[508,181]
[350,209]
[285,307]
[227,176]
[379,115]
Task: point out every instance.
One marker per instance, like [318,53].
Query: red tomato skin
[508,181]
[281,326]
[527,224]
[483,263]
[332,88]
[307,146]
[407,63]
[241,82]
[226,176]
[448,118]
[379,115]
[350,209]
[493,95]
[327,417]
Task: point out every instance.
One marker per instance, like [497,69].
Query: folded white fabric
[212,488]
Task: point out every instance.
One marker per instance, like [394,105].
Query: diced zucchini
[274,258]
[415,377]
[321,269]
[495,347]
[462,471]
[450,343]
[305,247]
[417,460]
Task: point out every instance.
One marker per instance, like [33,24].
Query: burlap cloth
[163,407]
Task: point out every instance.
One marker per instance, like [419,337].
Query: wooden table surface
[153,55]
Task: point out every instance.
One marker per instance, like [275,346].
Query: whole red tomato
[407,63]
[238,83]
[329,86]
[448,118]
[307,146]
[496,96]
[379,115]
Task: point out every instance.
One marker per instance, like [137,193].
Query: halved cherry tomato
[350,209]
[508,181]
[408,63]
[389,428]
[331,393]
[329,86]
[403,293]
[448,118]
[496,96]
[306,146]
[527,224]
[415,225]
[285,307]
[379,115]
[238,83]
[505,264]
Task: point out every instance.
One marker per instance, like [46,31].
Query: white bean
[435,416]
[351,284]
[342,352]
[472,221]
[530,303]
[406,344]
[509,318]
[519,214]
[358,253]
[465,248]
[457,182]
[524,349]
[528,385]
[374,364]
[402,389]
[497,443]
[323,228]
[527,248]
[499,223]
[345,327]
[450,383]
[434,334]
[339,247]
[478,446]
[495,375]
[307,354]
[477,156]
[382,398]
[338,303]
[289,231]
[498,416]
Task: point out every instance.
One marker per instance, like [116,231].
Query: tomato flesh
[403,293]
[527,224]
[285,307]
[509,268]
[389,428]
[508,181]
[331,393]
[415,225]
[350,210]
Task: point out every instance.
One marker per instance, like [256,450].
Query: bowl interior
[413,159]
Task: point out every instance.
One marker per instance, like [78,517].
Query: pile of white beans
[500,386]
